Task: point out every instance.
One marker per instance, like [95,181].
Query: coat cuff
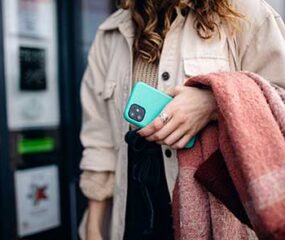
[99,160]
[97,185]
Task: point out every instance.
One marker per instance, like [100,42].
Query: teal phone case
[152,101]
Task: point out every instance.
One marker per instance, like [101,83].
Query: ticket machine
[30,44]
[43,47]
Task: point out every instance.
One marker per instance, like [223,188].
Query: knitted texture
[145,72]
[249,136]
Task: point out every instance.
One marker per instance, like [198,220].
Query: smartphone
[145,104]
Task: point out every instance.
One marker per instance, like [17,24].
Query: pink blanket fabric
[250,136]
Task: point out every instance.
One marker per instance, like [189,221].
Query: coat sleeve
[99,152]
[264,53]
[97,185]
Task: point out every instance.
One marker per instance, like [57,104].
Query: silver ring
[163,117]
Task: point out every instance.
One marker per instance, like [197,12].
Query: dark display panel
[32,69]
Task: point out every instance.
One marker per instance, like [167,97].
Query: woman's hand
[190,111]
[96,214]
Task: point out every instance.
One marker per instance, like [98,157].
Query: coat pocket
[111,97]
[198,66]
[109,90]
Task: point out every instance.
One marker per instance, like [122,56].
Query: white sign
[35,17]
[31,63]
[37,199]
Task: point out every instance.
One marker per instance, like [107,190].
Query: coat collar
[122,20]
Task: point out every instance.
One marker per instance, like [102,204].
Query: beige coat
[259,47]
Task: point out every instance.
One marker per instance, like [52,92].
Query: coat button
[165,76]
[168,153]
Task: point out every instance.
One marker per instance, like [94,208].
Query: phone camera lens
[136,112]
[132,114]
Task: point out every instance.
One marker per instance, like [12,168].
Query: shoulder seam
[258,29]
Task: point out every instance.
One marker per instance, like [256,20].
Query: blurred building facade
[43,51]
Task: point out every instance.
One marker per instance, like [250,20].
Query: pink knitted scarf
[249,134]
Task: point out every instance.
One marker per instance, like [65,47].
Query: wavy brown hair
[152,19]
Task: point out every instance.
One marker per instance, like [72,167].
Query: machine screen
[35,146]
[32,69]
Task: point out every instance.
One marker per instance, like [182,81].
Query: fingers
[165,131]
[176,131]
[183,141]
[175,136]
[160,142]
[150,129]
[174,91]
[157,123]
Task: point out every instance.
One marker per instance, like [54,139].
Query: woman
[161,43]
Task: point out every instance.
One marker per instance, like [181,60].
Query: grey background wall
[279,5]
